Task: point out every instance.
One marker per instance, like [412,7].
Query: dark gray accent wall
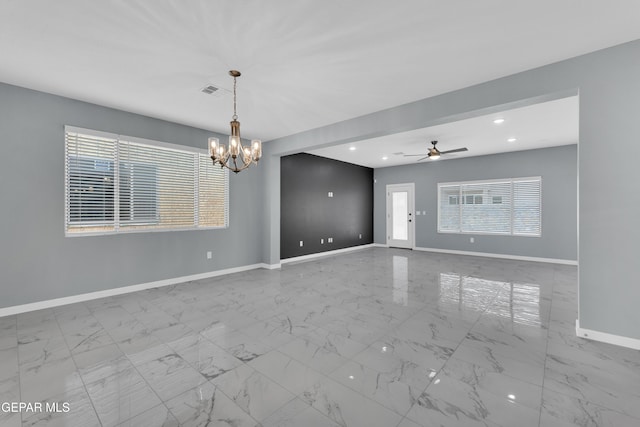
[37,262]
[608,198]
[308,214]
[557,167]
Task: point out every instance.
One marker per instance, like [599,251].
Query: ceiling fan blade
[422,158]
[457,150]
[413,155]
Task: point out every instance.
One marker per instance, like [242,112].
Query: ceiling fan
[434,153]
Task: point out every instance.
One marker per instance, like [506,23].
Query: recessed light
[511,397]
[498,121]
[352,148]
[351,377]
[384,158]
[511,140]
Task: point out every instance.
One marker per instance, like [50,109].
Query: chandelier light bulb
[213,146]
[257,149]
[234,146]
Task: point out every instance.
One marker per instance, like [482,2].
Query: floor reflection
[519,302]
[400,280]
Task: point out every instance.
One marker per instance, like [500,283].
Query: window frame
[511,181]
[200,155]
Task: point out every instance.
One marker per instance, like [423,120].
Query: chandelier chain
[235,114]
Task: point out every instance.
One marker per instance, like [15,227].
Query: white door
[400,212]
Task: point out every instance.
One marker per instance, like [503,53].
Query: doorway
[400,215]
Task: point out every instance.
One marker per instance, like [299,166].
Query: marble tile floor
[377,337]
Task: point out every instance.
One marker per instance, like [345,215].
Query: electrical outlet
[471,239]
[359,236]
[209,255]
[301,243]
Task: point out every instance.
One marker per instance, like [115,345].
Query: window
[472,199]
[509,207]
[119,184]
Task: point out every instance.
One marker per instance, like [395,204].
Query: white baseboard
[502,256]
[379,245]
[606,337]
[40,305]
[270,266]
[327,253]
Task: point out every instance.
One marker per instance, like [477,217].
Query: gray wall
[38,263]
[609,200]
[558,168]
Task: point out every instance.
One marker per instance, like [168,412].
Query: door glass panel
[400,211]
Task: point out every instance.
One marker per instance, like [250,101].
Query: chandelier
[238,157]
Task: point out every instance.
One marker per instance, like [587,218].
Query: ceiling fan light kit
[434,153]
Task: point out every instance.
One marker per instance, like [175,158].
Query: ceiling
[305,63]
[546,124]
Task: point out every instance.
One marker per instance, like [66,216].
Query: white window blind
[118,184]
[509,207]
[527,207]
